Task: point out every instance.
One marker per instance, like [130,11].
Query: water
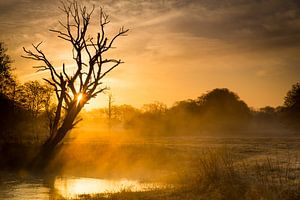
[32,188]
[29,189]
[74,186]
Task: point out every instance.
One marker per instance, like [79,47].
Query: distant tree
[292,98]
[120,115]
[5,61]
[110,110]
[35,97]
[266,120]
[124,113]
[7,95]
[267,113]
[224,102]
[151,120]
[154,108]
[73,91]
[189,107]
[292,106]
[222,108]
[6,115]
[183,117]
[7,81]
[12,116]
[268,110]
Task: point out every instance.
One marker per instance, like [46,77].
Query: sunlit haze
[79,98]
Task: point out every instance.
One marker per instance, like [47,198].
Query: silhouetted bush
[291,110]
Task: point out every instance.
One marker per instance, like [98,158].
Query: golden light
[79,98]
[72,187]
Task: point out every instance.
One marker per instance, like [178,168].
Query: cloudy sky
[176,49]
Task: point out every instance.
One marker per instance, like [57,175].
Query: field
[190,167]
[177,168]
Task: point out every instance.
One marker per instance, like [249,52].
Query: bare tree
[109,110]
[73,91]
[34,97]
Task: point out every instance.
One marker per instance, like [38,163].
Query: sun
[79,98]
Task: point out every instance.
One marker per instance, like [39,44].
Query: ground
[189,167]
[208,168]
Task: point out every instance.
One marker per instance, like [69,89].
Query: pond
[31,188]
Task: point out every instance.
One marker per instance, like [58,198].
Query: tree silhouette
[109,110]
[34,97]
[292,106]
[292,98]
[223,109]
[73,91]
[7,82]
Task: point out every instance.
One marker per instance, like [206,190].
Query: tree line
[27,110]
[217,112]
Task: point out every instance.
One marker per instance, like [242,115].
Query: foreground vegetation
[218,176]
[232,168]
[189,167]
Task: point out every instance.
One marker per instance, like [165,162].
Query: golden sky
[175,49]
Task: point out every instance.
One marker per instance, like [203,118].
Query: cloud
[256,23]
[192,42]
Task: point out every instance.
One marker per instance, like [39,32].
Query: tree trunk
[52,145]
[88,74]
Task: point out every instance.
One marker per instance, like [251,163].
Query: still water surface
[67,187]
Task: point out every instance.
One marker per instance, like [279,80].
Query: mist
[59,141]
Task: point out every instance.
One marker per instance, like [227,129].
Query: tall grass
[219,174]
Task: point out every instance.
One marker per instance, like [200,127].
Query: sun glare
[72,187]
[79,98]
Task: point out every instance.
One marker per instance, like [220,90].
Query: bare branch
[90,62]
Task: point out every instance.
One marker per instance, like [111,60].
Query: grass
[219,175]
[223,174]
[197,168]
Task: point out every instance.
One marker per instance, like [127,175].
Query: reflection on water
[72,187]
[16,189]
[68,187]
